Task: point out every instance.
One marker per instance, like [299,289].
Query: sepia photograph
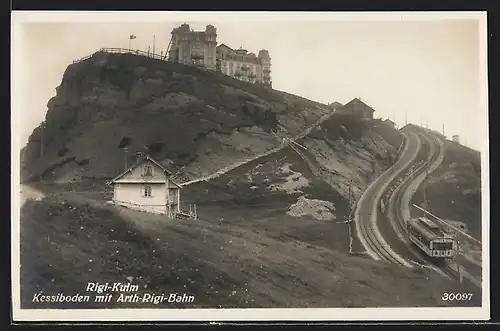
[270,166]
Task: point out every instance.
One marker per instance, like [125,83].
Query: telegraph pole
[425,197]
[349,217]
[154,39]
[41,145]
[41,138]
[350,197]
[424,184]
[125,150]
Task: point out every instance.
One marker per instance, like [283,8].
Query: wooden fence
[124,51]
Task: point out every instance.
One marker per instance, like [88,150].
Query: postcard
[250,166]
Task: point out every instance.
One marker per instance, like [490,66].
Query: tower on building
[192,47]
[265,60]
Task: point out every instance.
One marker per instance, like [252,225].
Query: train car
[429,238]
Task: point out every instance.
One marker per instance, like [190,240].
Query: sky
[428,69]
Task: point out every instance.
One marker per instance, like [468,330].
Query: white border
[306,314]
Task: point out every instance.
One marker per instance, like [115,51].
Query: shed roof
[146,158]
[357,101]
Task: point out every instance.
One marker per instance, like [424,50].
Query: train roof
[428,222]
[429,229]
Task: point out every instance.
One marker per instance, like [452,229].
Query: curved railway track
[399,204]
[367,207]
[400,207]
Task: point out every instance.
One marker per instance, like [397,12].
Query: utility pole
[457,252]
[425,184]
[41,144]
[154,39]
[349,217]
[443,129]
[350,197]
[125,150]
[425,197]
[41,137]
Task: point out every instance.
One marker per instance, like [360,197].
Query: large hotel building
[200,48]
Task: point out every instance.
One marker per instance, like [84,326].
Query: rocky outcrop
[177,113]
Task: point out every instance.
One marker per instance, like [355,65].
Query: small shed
[147,186]
[356,107]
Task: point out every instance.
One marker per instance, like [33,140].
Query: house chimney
[138,156]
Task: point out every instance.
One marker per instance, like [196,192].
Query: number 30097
[456,296]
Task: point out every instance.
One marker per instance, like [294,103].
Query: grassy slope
[244,251]
[264,209]
[64,246]
[390,134]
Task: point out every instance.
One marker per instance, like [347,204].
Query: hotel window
[147,191]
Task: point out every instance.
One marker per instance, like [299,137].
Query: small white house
[147,186]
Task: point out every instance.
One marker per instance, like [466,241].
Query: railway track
[367,207]
[447,268]
[401,209]
[396,213]
[381,249]
[399,206]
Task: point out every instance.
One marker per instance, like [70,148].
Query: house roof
[146,158]
[358,101]
[388,120]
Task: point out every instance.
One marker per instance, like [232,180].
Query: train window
[442,246]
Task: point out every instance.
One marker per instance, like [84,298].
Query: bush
[124,142]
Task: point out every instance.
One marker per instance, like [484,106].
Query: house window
[148,171]
[147,191]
